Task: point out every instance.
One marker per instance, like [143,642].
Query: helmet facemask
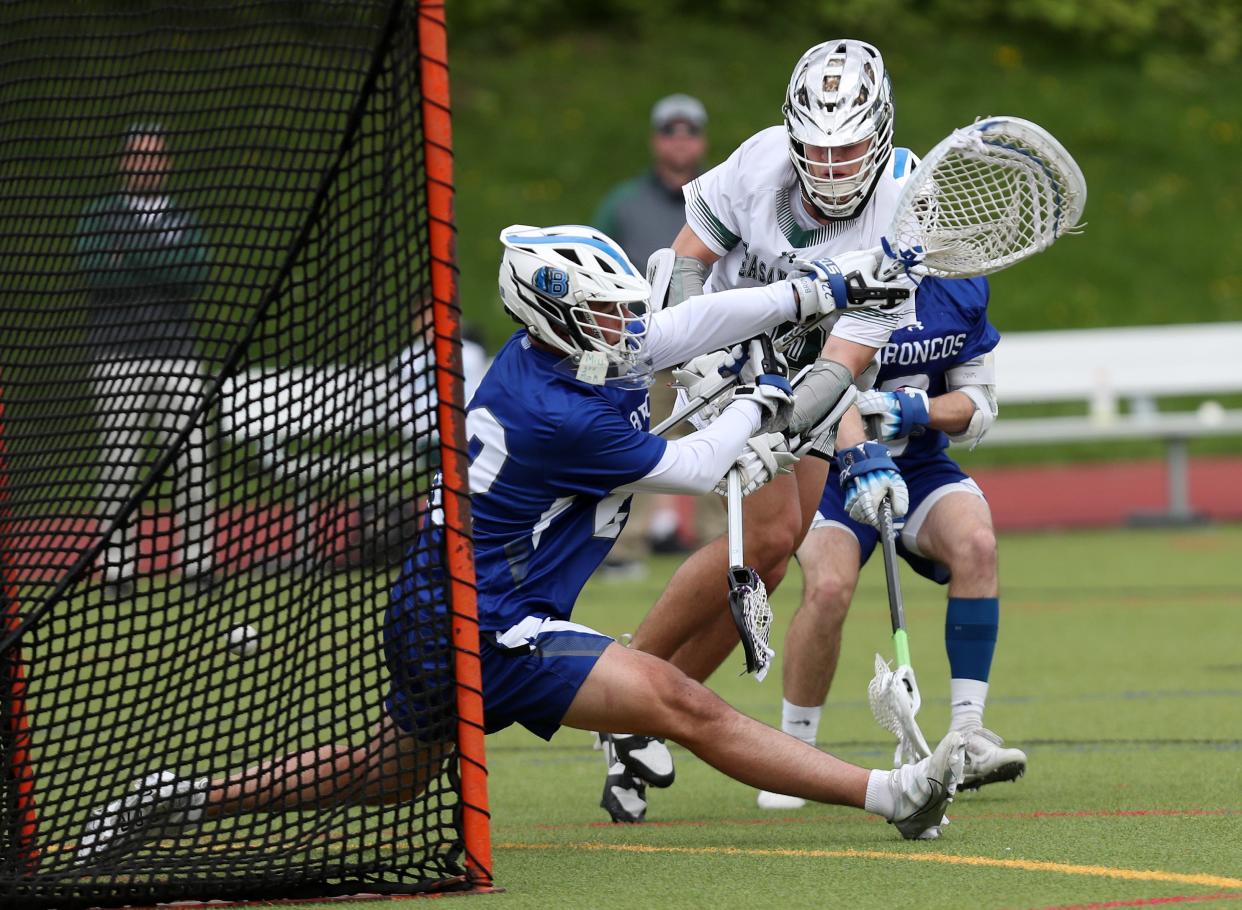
[575,291]
[839,119]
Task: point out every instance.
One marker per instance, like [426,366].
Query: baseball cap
[672,108]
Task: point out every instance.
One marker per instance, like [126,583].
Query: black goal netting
[228,378]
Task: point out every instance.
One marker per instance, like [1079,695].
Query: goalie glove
[868,474]
[847,282]
[764,457]
[774,395]
[905,412]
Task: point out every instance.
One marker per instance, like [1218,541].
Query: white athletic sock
[800,722]
[879,797]
[966,701]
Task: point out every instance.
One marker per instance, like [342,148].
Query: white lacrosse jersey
[748,210]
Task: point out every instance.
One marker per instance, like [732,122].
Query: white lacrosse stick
[748,596]
[987,196]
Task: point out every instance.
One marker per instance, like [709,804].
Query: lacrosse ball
[244,641]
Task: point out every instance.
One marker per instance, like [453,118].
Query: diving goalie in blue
[558,441]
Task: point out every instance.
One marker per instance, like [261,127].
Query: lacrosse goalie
[558,442]
[822,186]
[935,385]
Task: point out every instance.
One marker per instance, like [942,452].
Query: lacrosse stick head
[752,614]
[988,196]
[893,706]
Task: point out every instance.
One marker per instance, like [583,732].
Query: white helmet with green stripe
[839,116]
[575,290]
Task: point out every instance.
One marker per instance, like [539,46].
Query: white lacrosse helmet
[839,95]
[576,290]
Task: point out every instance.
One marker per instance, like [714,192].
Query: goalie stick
[986,197]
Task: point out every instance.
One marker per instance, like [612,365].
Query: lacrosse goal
[203,199]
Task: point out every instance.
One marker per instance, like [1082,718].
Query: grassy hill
[542,131]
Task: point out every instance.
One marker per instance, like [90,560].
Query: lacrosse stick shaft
[896,611]
[892,576]
[734,484]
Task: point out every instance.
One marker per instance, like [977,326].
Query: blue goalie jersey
[546,454]
[951,328]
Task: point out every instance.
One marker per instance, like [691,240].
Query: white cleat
[157,806]
[646,757]
[988,761]
[777,802]
[922,791]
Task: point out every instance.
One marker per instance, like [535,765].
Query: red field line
[1150,901]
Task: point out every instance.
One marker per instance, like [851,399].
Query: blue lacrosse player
[935,385]
[559,441]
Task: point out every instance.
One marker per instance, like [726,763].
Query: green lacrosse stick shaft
[901,644]
[888,546]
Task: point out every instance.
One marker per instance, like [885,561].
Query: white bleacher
[1102,368]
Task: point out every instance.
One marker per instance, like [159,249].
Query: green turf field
[1117,670]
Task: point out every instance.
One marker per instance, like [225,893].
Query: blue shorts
[531,679]
[928,479]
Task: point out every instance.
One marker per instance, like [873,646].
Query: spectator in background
[145,261]
[644,214]
[418,378]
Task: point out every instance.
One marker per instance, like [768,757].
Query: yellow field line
[1026,865]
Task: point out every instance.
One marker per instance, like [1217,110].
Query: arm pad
[976,379]
[981,421]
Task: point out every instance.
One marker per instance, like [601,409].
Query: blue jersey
[952,328]
[546,453]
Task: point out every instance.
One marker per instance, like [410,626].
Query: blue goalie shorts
[531,672]
[929,480]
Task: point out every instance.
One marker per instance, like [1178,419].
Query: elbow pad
[986,409]
[689,276]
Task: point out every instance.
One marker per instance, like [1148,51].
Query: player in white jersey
[558,441]
[824,183]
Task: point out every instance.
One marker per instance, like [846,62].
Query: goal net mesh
[220,419]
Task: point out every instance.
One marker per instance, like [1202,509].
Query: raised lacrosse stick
[894,694]
[984,198]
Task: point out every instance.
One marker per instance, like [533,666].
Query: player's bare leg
[690,623]
[829,560]
[958,533]
[390,767]
[629,690]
